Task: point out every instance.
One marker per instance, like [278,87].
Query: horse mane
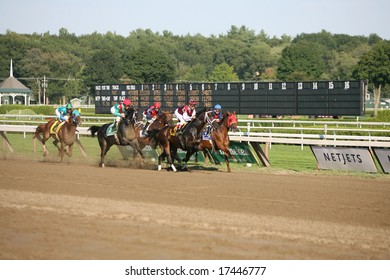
[203,110]
[131,115]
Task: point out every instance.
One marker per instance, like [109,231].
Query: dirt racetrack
[76,210]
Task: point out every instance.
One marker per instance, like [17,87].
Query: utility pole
[44,90]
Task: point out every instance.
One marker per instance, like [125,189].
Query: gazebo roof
[12,85]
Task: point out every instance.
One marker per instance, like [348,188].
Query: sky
[205,17]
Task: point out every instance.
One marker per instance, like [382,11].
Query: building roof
[12,85]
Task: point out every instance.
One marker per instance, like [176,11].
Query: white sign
[342,158]
[383,156]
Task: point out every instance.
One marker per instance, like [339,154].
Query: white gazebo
[12,91]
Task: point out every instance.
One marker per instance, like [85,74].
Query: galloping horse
[65,134]
[170,141]
[220,138]
[166,118]
[126,135]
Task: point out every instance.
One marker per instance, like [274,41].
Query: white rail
[264,137]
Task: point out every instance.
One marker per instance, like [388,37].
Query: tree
[301,61]
[150,65]
[104,67]
[375,67]
[223,73]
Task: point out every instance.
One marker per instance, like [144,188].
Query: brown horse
[170,141]
[220,138]
[125,135]
[166,118]
[66,134]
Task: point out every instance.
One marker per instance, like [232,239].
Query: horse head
[131,116]
[76,118]
[168,118]
[232,121]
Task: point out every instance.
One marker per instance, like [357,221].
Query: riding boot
[145,130]
[117,139]
[114,127]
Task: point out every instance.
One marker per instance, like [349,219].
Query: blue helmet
[217,107]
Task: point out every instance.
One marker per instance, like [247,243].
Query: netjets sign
[341,158]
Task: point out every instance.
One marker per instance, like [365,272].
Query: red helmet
[192,102]
[127,102]
[157,104]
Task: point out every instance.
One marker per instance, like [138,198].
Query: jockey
[119,110]
[151,114]
[186,113]
[217,113]
[64,112]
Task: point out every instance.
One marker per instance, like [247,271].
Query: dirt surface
[77,210]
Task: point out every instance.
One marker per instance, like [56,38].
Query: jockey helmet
[157,104]
[68,106]
[192,102]
[217,107]
[127,102]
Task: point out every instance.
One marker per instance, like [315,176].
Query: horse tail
[93,129]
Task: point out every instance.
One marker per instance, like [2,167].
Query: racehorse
[66,134]
[170,141]
[125,135]
[220,138]
[166,118]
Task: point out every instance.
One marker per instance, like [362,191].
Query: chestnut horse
[66,134]
[220,138]
[170,141]
[125,135]
[166,118]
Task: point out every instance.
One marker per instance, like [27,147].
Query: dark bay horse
[170,141]
[66,134]
[165,119]
[125,135]
[220,138]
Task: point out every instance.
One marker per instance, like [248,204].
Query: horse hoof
[173,168]
[103,165]
[159,167]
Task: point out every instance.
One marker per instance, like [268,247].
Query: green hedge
[383,116]
[19,109]
[38,110]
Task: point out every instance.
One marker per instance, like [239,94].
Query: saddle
[206,133]
[173,131]
[55,127]
[110,130]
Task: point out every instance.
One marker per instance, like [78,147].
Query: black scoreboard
[332,98]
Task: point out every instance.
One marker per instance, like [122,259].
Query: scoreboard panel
[333,98]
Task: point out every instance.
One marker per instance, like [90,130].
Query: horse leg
[62,151]
[166,152]
[227,163]
[55,143]
[42,139]
[188,156]
[227,154]
[137,150]
[103,151]
[70,147]
[161,158]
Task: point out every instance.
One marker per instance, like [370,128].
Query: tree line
[74,64]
